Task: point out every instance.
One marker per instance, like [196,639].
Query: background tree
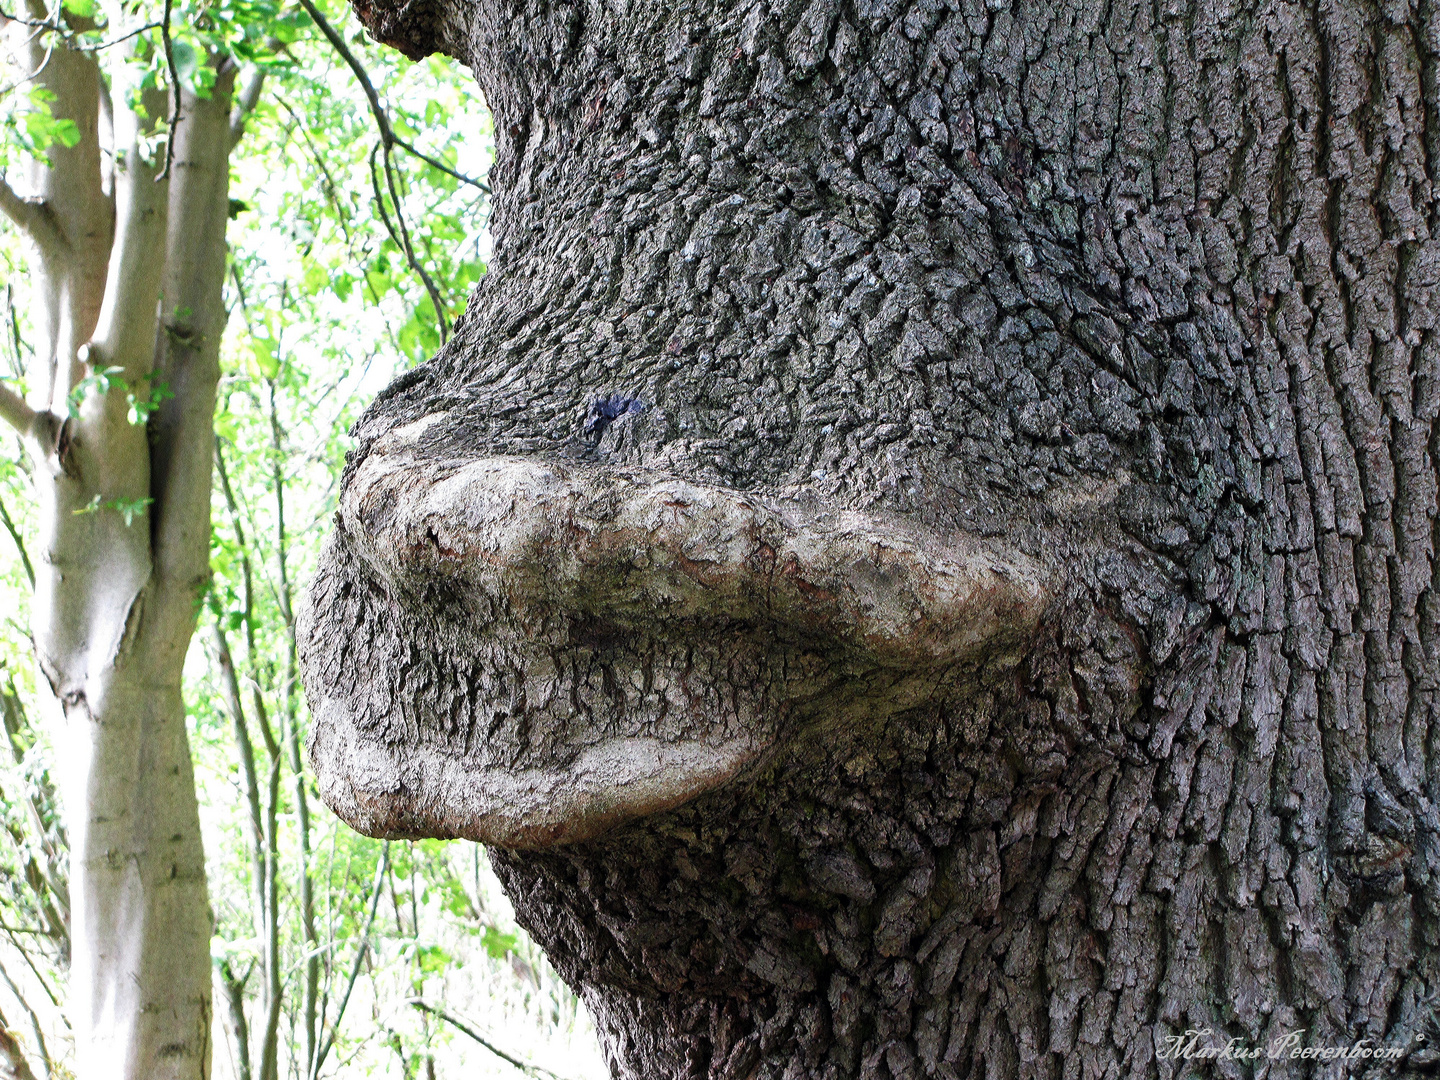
[362,209]
[981,455]
[129,228]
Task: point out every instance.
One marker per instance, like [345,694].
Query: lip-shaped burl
[556,570]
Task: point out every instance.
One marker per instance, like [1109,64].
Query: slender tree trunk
[290,724]
[141,981]
[264,857]
[234,990]
[265,815]
[130,279]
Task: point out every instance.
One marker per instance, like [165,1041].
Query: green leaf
[42,128]
[432,959]
[317,278]
[67,133]
[130,509]
[266,362]
[498,944]
[141,408]
[101,380]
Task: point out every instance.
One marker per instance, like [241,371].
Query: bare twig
[410,250]
[401,235]
[461,1026]
[33,216]
[74,40]
[318,160]
[231,691]
[164,174]
[19,542]
[388,140]
[42,24]
[16,342]
[375,891]
[122,38]
[442,166]
[30,963]
[265,836]
[49,52]
[382,120]
[379,198]
[290,724]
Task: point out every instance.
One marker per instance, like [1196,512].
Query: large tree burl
[919,556]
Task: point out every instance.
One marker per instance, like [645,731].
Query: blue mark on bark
[605,411]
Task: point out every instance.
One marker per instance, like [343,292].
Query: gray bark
[1138,303]
[129,284]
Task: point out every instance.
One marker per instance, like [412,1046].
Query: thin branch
[122,38]
[51,895]
[25,955]
[35,1028]
[442,166]
[41,19]
[12,1057]
[49,52]
[16,342]
[382,121]
[375,891]
[231,691]
[245,103]
[290,725]
[379,198]
[72,39]
[410,250]
[318,160]
[43,24]
[15,411]
[19,542]
[387,140]
[459,1025]
[402,235]
[234,990]
[33,216]
[164,174]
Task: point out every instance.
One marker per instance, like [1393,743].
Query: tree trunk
[121,427]
[1141,299]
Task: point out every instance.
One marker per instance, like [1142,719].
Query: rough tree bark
[821,330]
[129,278]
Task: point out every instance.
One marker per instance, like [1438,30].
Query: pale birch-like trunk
[130,273]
